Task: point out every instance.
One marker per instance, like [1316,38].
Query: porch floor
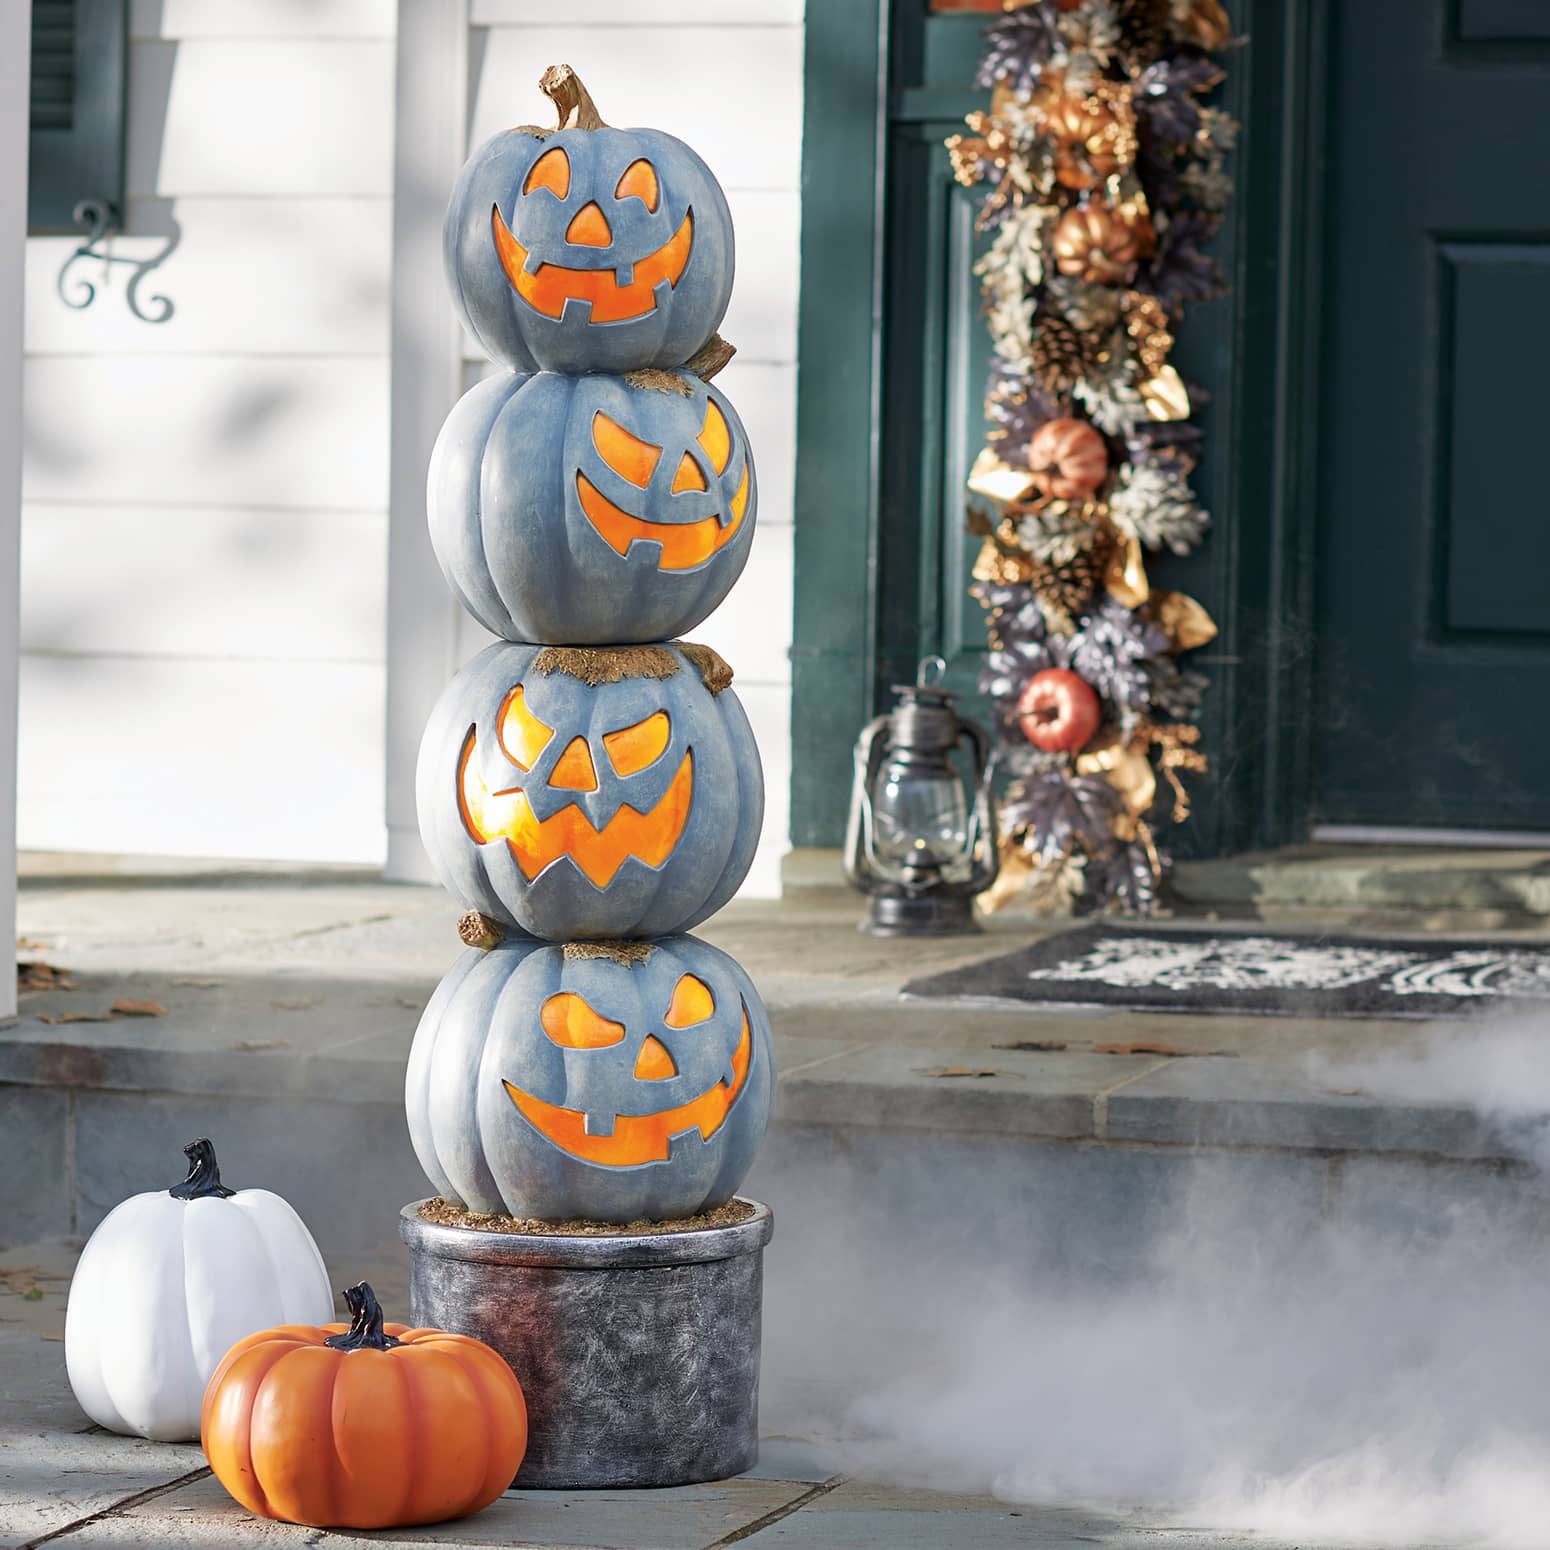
[289,1004]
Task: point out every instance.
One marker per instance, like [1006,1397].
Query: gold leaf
[1126,767]
[1185,623]
[1124,577]
[1202,22]
[998,480]
[1165,396]
[1016,865]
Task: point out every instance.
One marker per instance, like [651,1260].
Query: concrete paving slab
[913,1086]
[50,1478]
[345,1167]
[34,1179]
[1502,884]
[680,1518]
[1265,1103]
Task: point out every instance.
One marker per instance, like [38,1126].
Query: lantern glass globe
[921,822]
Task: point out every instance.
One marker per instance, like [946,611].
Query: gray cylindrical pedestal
[638,1355]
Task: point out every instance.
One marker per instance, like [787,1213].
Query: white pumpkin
[169,1282]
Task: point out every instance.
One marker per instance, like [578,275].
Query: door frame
[1257,352]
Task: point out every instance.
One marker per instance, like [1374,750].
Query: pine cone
[1064,591]
[1143,32]
[1058,353]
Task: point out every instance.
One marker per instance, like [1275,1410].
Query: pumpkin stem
[204,1175]
[365,1332]
[572,101]
[710,357]
[476,930]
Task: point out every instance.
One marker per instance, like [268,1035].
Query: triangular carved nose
[573,770]
[590,228]
[654,1064]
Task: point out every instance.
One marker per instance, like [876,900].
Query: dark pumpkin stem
[710,357]
[572,101]
[479,931]
[204,1175]
[365,1332]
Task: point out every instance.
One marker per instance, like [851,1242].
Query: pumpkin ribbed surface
[432,1428]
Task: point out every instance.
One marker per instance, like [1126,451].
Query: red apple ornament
[1058,711]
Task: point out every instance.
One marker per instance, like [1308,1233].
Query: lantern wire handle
[932,670]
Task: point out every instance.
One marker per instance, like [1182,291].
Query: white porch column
[430,133]
[15,54]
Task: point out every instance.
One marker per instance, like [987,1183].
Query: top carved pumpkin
[587,248]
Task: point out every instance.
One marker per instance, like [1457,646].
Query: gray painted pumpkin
[585,510]
[571,808]
[545,1084]
[588,248]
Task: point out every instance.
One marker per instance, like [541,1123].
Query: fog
[1372,1371]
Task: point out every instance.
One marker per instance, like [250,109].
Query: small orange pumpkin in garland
[1067,459]
[363,1425]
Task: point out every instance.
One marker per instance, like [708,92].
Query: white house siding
[725,75]
[204,519]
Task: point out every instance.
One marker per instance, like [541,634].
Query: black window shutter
[76,140]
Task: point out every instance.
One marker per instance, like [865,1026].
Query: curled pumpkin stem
[710,357]
[572,101]
[204,1175]
[479,931]
[365,1332]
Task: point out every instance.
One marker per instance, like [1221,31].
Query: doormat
[1267,974]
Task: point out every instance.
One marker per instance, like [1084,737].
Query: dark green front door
[1431,627]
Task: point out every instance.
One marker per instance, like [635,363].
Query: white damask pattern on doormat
[1269,963]
[1261,973]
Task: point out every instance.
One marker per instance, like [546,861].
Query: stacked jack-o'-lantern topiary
[588,786]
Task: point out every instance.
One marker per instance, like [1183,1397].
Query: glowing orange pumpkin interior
[599,852]
[570,1020]
[684,544]
[550,286]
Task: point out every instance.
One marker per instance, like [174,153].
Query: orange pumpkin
[1067,459]
[1096,244]
[1087,136]
[363,1425]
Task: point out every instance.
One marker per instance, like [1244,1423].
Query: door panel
[1432,628]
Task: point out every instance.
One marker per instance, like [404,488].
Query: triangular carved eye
[569,1020]
[551,171]
[692,1003]
[639,182]
[632,748]
[522,734]
[628,456]
[715,437]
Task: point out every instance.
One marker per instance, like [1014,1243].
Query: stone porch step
[290,1005]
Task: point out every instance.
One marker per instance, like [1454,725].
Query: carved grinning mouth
[638,1138]
[550,286]
[537,843]
[684,544]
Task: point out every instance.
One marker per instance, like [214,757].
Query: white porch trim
[430,143]
[15,71]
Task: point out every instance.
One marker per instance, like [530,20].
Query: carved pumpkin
[611,1081]
[590,511]
[363,1425]
[168,1281]
[588,248]
[1068,459]
[1096,244]
[575,792]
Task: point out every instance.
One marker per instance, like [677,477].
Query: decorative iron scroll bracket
[98,218]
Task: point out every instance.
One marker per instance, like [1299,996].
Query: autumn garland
[1104,180]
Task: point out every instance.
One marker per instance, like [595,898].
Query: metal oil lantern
[921,842]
